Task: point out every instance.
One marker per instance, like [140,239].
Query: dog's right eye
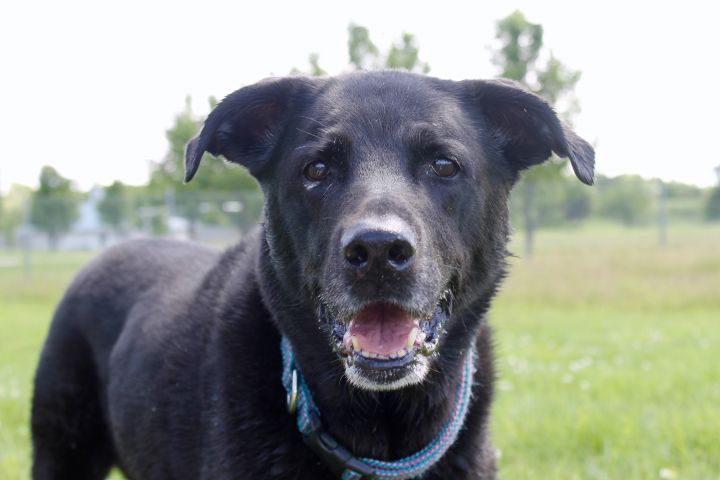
[442,167]
[316,171]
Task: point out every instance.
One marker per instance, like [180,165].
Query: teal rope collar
[339,459]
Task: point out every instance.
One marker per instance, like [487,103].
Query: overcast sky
[91,87]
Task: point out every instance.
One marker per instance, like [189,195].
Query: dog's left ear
[527,128]
[245,127]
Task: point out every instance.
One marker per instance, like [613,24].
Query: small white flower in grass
[505,386]
[667,473]
[580,364]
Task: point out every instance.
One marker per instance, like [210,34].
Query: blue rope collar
[339,459]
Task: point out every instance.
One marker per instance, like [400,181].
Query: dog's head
[386,203]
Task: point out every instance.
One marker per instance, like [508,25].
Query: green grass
[608,357]
[26,304]
[607,350]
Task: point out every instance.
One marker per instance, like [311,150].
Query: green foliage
[556,201]
[712,208]
[315,69]
[214,177]
[521,44]
[13,211]
[364,54]
[578,200]
[627,198]
[562,200]
[556,84]
[682,190]
[114,208]
[405,55]
[54,205]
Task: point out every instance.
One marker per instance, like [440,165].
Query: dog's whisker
[308,133]
[314,120]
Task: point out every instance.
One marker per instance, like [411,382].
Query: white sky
[90,87]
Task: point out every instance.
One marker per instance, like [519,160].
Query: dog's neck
[393,424]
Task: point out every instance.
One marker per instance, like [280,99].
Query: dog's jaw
[416,373]
[370,365]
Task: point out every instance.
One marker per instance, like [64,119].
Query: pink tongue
[382,329]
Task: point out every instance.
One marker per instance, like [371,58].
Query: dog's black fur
[164,358]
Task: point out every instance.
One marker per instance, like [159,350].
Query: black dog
[383,243]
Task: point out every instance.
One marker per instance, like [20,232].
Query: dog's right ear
[247,124]
[527,128]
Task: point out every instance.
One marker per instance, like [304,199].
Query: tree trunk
[662,214]
[52,241]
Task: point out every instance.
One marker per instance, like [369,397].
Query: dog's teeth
[356,343]
[420,338]
[411,338]
[428,349]
[393,355]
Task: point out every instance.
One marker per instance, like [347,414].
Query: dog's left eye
[443,167]
[316,171]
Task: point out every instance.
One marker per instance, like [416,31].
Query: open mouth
[384,336]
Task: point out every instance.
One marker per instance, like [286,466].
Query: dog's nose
[372,247]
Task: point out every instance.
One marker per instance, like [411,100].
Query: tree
[405,55]
[364,54]
[517,58]
[113,208]
[315,69]
[521,42]
[577,202]
[14,211]
[627,198]
[216,182]
[54,205]
[712,208]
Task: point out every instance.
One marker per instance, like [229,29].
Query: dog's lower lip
[373,362]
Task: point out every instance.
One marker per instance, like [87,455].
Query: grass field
[608,355]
